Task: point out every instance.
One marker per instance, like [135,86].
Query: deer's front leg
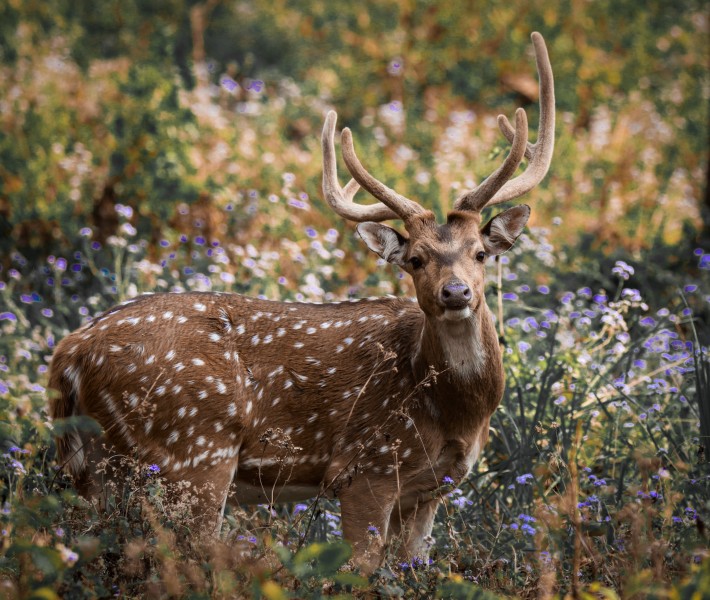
[410,528]
[366,506]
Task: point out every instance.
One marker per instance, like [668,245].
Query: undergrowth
[595,479]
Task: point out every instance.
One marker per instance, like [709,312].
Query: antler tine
[478,198]
[341,199]
[403,207]
[539,154]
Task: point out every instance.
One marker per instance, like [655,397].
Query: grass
[593,482]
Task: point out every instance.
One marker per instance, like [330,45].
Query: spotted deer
[373,401]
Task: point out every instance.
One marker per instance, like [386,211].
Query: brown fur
[373,401]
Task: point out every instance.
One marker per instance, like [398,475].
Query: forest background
[157,146]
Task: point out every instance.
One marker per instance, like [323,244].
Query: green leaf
[74,423]
[350,579]
[463,590]
[320,559]
[47,560]
[44,593]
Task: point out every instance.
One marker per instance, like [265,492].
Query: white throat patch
[463,347]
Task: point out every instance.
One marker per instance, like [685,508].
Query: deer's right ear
[385,241]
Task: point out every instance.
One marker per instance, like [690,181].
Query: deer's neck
[467,359]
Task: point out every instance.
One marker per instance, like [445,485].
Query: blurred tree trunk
[199,18]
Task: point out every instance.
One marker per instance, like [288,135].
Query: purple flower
[228,84]
[460,502]
[395,67]
[298,203]
[622,270]
[299,508]
[447,480]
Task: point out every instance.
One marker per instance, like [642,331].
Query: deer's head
[446,261]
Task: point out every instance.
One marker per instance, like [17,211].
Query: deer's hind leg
[104,474]
[203,490]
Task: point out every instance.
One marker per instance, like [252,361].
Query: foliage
[594,443]
[126,167]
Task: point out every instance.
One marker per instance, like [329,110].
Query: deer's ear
[385,241]
[500,233]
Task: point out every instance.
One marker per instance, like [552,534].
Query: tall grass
[592,481]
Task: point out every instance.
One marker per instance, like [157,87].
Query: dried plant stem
[574,511]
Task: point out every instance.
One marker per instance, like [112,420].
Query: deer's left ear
[500,233]
[385,241]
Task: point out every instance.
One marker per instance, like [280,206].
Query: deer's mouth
[457,314]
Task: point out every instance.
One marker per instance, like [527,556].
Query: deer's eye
[416,262]
[481,256]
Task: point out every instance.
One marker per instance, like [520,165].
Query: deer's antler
[497,188]
[391,206]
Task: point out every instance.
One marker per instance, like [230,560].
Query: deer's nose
[456,295]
